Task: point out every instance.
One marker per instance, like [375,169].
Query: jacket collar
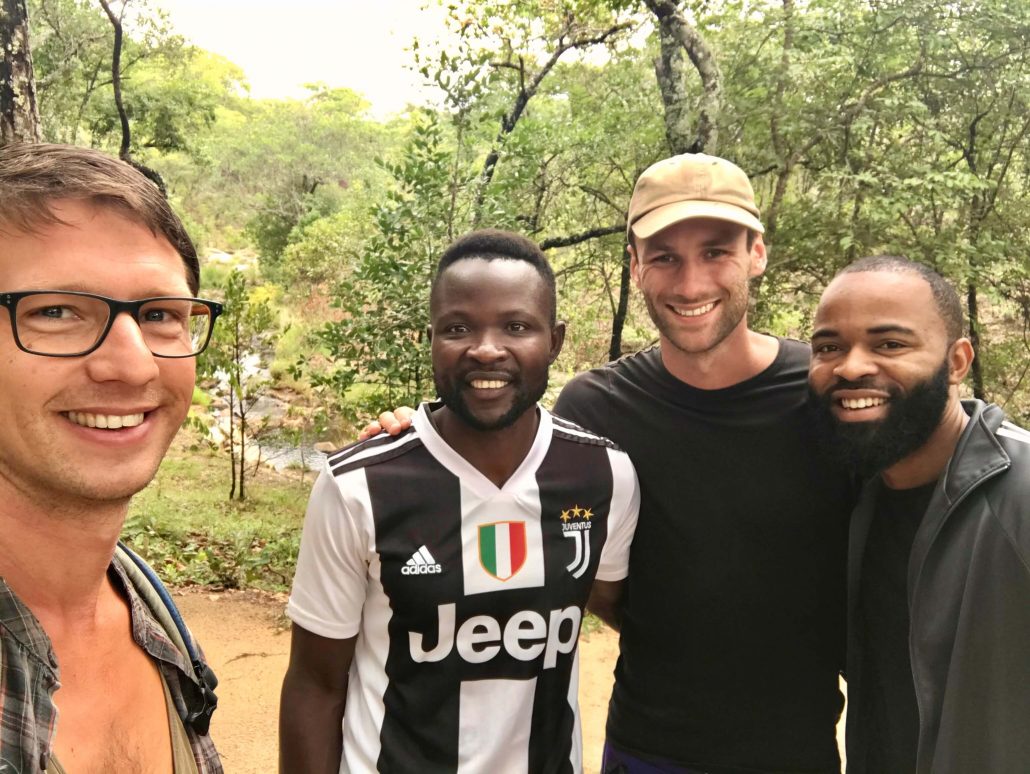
[978,453]
[977,457]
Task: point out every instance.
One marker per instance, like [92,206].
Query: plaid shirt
[29,675]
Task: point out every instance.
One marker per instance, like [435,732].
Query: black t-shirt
[733,633]
[892,715]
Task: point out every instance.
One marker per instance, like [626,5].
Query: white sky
[281,45]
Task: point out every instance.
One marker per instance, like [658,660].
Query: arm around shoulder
[584,401]
[390,422]
[606,602]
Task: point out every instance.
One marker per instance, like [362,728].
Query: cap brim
[663,217]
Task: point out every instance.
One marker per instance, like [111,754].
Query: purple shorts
[616,761]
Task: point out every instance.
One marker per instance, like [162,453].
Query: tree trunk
[243,449]
[116,79]
[974,337]
[672,23]
[19,112]
[235,382]
[619,321]
[125,150]
[671,72]
[236,386]
[232,440]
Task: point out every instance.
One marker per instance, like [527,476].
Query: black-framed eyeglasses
[67,323]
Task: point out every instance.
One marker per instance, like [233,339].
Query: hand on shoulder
[390,422]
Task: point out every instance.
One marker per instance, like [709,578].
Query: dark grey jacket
[969,603]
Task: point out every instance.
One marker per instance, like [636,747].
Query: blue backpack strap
[171,620]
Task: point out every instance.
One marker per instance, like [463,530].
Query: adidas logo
[421,563]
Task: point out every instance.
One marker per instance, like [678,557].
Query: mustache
[847,384]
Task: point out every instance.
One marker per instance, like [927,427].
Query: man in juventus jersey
[443,572]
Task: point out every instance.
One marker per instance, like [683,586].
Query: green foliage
[171,90]
[281,214]
[245,329]
[214,275]
[899,127]
[183,526]
[276,167]
[322,250]
[234,559]
[381,336]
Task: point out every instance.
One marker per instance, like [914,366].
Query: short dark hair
[35,175]
[492,244]
[944,296]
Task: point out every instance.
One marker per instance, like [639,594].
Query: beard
[452,393]
[872,447]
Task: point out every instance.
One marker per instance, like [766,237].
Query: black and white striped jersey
[466,599]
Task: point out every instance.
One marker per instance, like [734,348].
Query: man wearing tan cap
[732,628]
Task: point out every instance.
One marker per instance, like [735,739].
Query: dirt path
[244,638]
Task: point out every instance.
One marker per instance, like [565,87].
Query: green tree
[380,338]
[242,339]
[170,90]
[276,166]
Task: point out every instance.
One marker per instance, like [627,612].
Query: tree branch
[116,76]
[602,197]
[575,239]
[525,94]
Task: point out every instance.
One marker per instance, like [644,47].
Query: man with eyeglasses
[98,336]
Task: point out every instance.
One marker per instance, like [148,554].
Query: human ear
[557,340]
[759,258]
[634,265]
[960,359]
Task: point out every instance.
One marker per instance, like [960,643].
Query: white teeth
[487,384]
[695,312]
[861,403]
[105,421]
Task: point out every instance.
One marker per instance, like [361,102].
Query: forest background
[866,126]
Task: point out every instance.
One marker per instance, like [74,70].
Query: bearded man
[938,662]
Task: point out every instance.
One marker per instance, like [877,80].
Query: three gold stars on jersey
[575,512]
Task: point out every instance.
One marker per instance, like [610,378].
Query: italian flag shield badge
[502,548]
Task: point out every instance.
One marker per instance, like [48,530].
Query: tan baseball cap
[691,185]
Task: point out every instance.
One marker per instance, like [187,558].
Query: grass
[185,526]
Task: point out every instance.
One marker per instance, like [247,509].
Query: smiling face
[882,367]
[91,428]
[492,340]
[694,278]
